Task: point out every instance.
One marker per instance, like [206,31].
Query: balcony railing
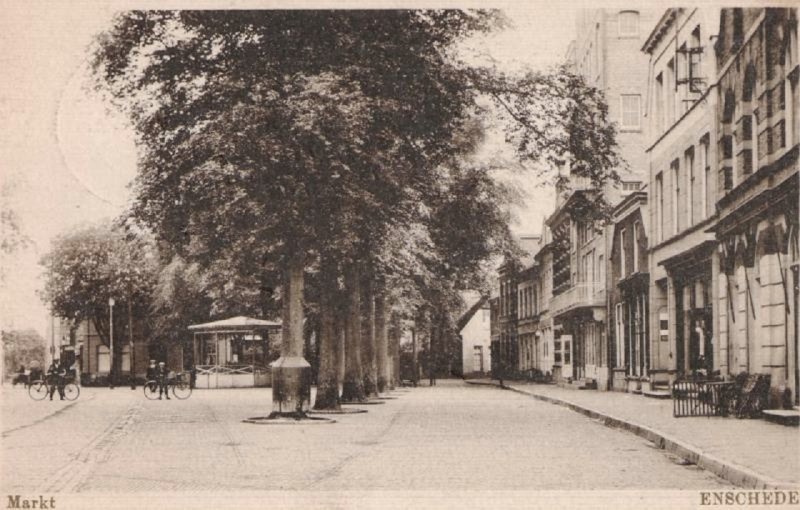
[581,295]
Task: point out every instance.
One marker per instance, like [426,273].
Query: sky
[67,160]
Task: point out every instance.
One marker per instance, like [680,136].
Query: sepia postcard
[399,254]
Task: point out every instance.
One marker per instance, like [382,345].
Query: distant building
[527,312]
[91,352]
[544,356]
[474,330]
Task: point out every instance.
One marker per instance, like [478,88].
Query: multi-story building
[628,295]
[757,135]
[578,304]
[527,311]
[606,53]
[543,349]
[505,349]
[506,358]
[683,191]
[494,331]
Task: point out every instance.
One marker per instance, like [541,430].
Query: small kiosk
[234,353]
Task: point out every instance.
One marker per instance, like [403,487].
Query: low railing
[691,398]
[230,369]
[744,397]
[578,296]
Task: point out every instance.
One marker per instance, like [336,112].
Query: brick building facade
[758,136]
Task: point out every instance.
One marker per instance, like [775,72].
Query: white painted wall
[476,333]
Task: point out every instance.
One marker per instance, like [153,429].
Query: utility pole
[111,341]
[414,365]
[52,337]
[131,357]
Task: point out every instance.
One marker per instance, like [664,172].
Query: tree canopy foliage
[20,348]
[336,138]
[88,266]
[323,128]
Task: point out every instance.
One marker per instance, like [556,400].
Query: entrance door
[566,350]
[680,358]
[579,350]
[477,359]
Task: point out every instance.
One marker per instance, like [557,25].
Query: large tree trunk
[341,338]
[353,383]
[394,346]
[433,341]
[368,361]
[132,355]
[328,375]
[291,384]
[382,341]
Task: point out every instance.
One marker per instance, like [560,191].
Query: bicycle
[40,389]
[179,387]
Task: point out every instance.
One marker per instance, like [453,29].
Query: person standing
[55,379]
[162,375]
[151,374]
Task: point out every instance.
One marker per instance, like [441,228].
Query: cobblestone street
[450,436]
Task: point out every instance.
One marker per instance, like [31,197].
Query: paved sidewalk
[748,453]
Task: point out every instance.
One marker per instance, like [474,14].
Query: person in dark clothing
[151,375]
[55,379]
[162,375]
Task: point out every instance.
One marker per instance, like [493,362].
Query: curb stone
[727,470]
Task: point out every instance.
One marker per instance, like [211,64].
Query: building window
[622,262]
[738,29]
[683,70]
[628,24]
[103,359]
[631,185]
[619,333]
[749,123]
[676,194]
[636,229]
[660,206]
[600,269]
[659,106]
[631,111]
[695,59]
[126,358]
[705,188]
[669,90]
[690,184]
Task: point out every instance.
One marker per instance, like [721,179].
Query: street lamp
[111,341]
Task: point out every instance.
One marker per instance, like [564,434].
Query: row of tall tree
[331,155]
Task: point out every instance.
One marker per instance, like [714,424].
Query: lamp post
[111,341]
[131,357]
